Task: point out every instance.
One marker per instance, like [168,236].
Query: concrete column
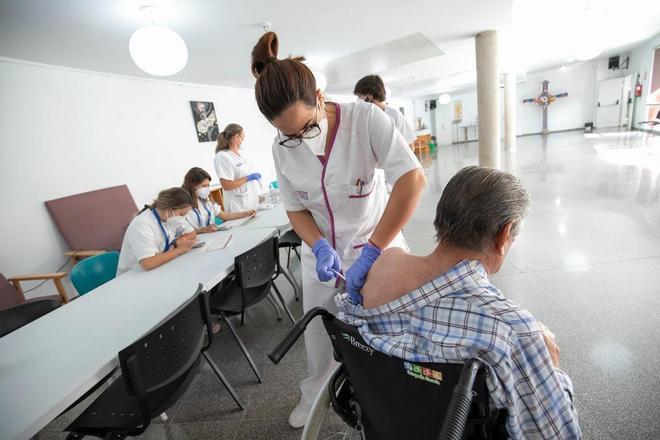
[487,99]
[510,106]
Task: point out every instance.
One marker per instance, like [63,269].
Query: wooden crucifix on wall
[544,100]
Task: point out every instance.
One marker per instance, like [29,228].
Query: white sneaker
[299,415]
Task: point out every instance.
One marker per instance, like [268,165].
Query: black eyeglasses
[310,132]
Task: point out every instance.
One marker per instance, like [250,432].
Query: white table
[269,218]
[48,364]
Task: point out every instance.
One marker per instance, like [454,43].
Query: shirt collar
[464,277]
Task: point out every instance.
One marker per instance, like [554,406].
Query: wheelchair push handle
[460,403]
[283,347]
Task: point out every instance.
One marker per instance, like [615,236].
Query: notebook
[218,243]
[234,223]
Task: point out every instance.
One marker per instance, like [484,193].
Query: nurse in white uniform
[158,233]
[240,183]
[371,88]
[326,156]
[204,210]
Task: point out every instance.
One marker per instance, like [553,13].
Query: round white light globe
[321,81]
[158,50]
[587,53]
[444,99]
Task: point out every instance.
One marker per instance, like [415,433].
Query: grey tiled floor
[587,263]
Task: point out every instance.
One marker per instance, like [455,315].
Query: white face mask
[203,192]
[174,220]
[317,144]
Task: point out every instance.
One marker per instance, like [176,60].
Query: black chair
[290,240]
[19,315]
[254,273]
[389,398]
[156,371]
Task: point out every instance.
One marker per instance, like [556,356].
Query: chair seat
[229,300]
[290,239]
[114,411]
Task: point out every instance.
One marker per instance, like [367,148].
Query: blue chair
[94,271]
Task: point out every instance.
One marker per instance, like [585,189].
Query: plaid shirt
[461,315]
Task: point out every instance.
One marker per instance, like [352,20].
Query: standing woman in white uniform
[325,156]
[239,182]
[371,88]
[204,210]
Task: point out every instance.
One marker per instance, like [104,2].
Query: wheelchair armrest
[461,400]
[283,347]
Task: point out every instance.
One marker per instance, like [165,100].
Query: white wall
[64,132]
[640,62]
[566,113]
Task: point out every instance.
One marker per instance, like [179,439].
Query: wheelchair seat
[390,398]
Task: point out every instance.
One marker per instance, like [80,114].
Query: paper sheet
[218,243]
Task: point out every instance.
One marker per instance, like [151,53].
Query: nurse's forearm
[403,201]
[160,259]
[305,226]
[233,184]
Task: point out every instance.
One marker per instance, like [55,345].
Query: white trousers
[320,362]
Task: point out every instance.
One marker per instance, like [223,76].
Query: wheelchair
[386,398]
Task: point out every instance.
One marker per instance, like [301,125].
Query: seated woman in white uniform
[204,209]
[158,233]
[239,181]
[371,88]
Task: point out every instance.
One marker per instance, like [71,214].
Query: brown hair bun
[264,52]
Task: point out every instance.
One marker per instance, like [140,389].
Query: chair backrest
[159,367]
[19,315]
[92,272]
[256,267]
[399,399]
[95,219]
[9,296]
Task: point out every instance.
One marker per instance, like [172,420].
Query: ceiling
[220,34]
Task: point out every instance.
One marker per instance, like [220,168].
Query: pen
[190,223]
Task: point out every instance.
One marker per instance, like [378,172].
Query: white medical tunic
[204,215]
[401,124]
[231,166]
[143,239]
[344,194]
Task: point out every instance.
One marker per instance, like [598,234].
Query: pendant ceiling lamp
[156,49]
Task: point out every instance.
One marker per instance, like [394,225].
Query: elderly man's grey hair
[476,204]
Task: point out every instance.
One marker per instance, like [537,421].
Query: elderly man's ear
[503,239]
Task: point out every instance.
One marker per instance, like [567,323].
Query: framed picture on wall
[458,110]
[206,122]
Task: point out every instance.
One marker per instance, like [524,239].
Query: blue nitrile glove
[254,176]
[357,273]
[327,260]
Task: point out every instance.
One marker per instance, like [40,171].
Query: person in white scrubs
[326,156]
[202,216]
[158,233]
[371,88]
[240,183]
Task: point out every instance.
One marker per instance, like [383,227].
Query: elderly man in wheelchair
[434,350]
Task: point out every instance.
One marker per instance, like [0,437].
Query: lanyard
[199,218]
[208,220]
[162,228]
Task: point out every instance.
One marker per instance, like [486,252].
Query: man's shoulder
[504,311]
